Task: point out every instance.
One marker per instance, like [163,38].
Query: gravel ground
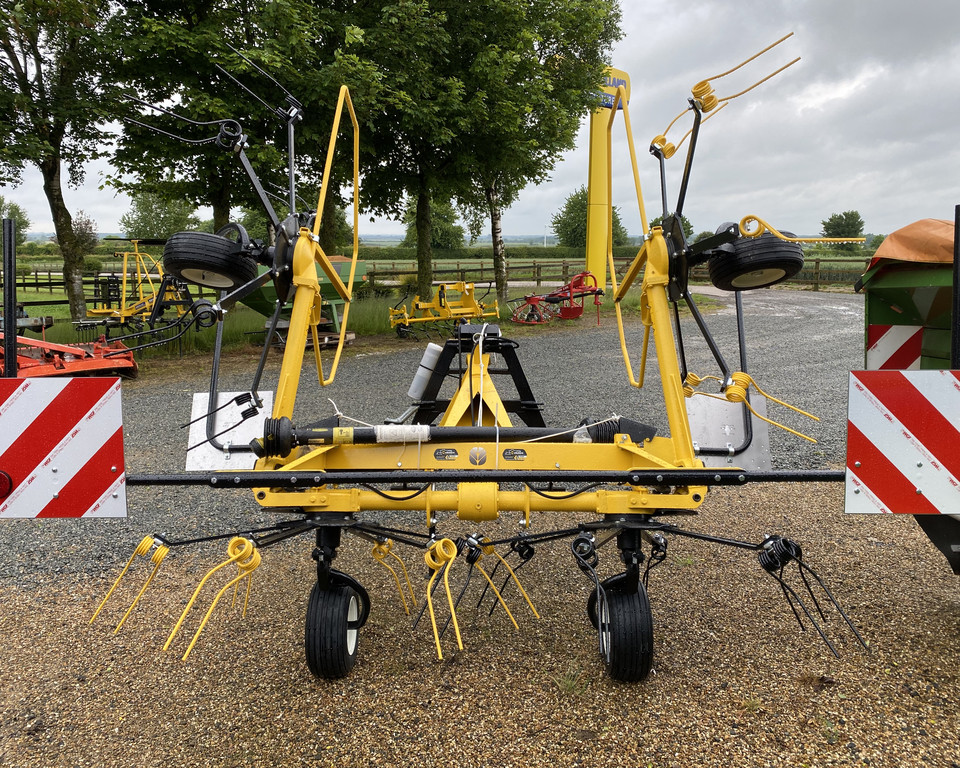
[736,681]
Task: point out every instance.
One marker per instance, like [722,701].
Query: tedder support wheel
[206,259]
[626,634]
[756,263]
[332,626]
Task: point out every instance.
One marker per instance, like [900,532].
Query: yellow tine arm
[234,557]
[142,548]
[517,582]
[247,559]
[406,575]
[497,593]
[438,558]
[379,553]
[157,559]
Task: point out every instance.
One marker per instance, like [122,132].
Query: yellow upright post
[598,187]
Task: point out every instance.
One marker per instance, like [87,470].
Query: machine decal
[61,445]
[902,431]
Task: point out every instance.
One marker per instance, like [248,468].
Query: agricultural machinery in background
[565,302]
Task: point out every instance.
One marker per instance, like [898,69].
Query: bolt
[856,490]
[113,469]
[919,463]
[116,495]
[56,495]
[53,469]
[857,464]
[919,492]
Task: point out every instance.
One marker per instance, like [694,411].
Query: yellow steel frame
[479,499]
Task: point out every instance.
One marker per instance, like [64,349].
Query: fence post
[816,274]
[538,272]
[565,273]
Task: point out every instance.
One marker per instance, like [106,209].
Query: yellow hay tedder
[477,454]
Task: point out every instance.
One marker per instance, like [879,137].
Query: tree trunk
[66,238]
[220,201]
[424,233]
[496,237]
[328,223]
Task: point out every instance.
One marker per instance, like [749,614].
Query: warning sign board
[61,448]
[894,346]
[903,433]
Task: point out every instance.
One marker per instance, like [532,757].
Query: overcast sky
[867,120]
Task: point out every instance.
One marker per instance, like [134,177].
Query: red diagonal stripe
[50,427]
[875,333]
[907,354]
[931,428]
[90,482]
[883,479]
[8,387]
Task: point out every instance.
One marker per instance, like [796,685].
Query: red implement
[44,358]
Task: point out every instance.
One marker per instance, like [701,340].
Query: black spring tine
[803,577]
[807,613]
[804,567]
[487,586]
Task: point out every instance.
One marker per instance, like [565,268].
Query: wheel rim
[353,613]
[758,278]
[207,278]
[603,627]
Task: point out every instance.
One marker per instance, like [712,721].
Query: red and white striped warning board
[895,347]
[61,448]
[903,442]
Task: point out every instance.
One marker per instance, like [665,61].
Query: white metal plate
[201,455]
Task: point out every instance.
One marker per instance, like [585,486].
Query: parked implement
[451,305]
[475,445]
[565,302]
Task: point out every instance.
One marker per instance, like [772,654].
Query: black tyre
[626,634]
[756,263]
[332,629]
[209,260]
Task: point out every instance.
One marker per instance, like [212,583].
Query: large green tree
[151,215]
[532,71]
[306,46]
[846,224]
[570,222]
[444,230]
[10,210]
[54,97]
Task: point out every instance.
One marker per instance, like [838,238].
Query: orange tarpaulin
[927,240]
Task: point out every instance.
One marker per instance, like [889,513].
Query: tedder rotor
[478,453]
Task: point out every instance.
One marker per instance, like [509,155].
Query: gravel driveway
[736,682]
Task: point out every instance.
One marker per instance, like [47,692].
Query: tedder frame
[477,454]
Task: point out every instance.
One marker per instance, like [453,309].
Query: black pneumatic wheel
[756,263]
[209,260]
[626,634]
[332,629]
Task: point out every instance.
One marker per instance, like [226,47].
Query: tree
[54,95]
[151,215]
[570,223]
[685,223]
[846,224]
[10,210]
[533,71]
[445,233]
